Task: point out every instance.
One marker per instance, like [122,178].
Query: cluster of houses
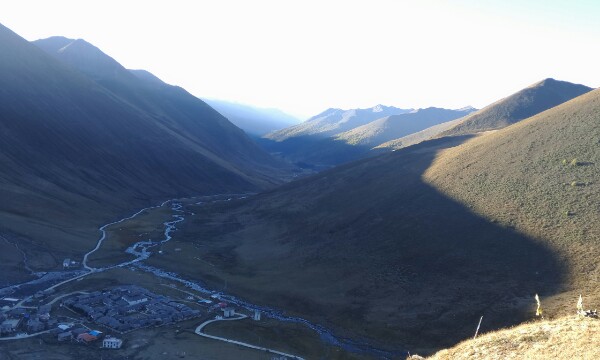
[18,322]
[130,307]
[29,320]
[70,333]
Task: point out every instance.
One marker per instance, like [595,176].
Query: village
[116,311]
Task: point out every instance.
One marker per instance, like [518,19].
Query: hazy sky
[306,56]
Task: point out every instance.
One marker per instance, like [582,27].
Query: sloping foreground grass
[569,337]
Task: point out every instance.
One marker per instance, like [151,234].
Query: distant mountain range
[396,126]
[337,136]
[82,139]
[335,121]
[253,120]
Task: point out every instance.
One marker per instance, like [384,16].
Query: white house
[228,312]
[110,342]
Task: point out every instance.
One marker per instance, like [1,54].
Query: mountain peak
[84,56]
[378,108]
[525,103]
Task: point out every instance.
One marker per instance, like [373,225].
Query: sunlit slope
[420,136]
[540,177]
[525,103]
[564,338]
[518,106]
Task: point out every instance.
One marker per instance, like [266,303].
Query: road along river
[141,251]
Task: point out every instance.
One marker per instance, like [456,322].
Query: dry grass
[570,337]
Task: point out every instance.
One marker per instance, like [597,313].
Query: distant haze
[306,56]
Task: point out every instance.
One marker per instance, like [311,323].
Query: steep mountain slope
[174,108]
[420,136]
[521,105]
[410,248]
[75,154]
[397,126]
[538,176]
[254,121]
[335,121]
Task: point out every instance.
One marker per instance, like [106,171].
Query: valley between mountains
[370,233]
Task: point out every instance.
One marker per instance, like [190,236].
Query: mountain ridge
[395,126]
[68,142]
[535,98]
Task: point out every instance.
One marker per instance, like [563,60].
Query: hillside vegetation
[539,176]
[523,104]
[409,248]
[418,137]
[518,106]
[569,337]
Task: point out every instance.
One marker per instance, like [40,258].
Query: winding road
[140,251]
[200,327]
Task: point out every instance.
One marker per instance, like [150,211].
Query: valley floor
[106,266]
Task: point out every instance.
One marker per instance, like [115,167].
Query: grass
[408,249]
[569,337]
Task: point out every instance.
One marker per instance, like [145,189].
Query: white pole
[478,325]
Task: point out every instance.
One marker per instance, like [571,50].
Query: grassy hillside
[518,106]
[418,137]
[397,126]
[372,251]
[408,249]
[564,338]
[75,154]
[537,176]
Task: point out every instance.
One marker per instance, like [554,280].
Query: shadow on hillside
[401,265]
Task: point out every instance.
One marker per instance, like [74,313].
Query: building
[110,342]
[135,299]
[228,312]
[66,263]
[256,316]
[85,337]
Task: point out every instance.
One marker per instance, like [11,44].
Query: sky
[306,56]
